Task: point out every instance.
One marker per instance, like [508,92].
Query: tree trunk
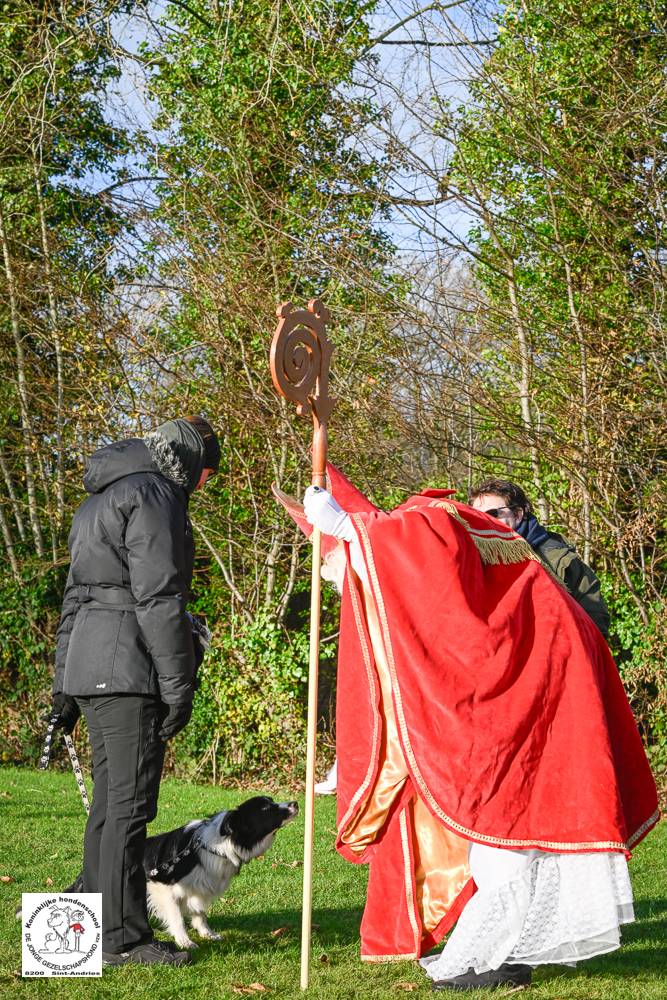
[16,506]
[26,424]
[53,325]
[583,380]
[9,545]
[524,390]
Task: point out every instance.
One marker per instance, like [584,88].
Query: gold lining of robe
[441,856]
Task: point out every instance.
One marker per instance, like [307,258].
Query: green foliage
[260,171]
[250,706]
[641,653]
[29,611]
[561,149]
[57,368]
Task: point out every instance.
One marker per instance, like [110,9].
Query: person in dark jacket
[507,501]
[126,656]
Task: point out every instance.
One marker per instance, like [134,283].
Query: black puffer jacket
[124,627]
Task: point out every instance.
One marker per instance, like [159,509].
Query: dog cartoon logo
[56,940]
[62,935]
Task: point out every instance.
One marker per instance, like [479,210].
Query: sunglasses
[500,511]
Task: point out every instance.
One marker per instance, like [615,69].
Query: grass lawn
[41,827]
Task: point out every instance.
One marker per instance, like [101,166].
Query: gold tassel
[495,550]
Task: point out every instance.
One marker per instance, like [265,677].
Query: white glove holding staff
[323,512]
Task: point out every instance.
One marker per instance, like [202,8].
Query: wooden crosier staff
[300,356]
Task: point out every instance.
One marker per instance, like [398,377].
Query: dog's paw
[186,943]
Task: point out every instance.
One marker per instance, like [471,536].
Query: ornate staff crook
[300,356]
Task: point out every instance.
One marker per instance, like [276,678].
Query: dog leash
[48,740]
[78,774]
[169,865]
[73,756]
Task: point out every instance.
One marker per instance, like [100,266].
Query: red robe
[477,701]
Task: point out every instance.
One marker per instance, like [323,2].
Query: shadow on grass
[644,948]
[332,928]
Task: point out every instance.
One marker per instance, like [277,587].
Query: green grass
[41,826]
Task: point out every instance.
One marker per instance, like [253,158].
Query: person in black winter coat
[126,655]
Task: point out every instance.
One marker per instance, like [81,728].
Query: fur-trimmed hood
[174,449]
[165,459]
[177,451]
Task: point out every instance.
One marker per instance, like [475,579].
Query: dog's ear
[227,825]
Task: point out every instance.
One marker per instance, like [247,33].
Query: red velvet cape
[513,722]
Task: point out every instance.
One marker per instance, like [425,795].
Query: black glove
[67,710]
[177,718]
[199,651]
[201,638]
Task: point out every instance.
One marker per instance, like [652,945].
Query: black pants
[127,766]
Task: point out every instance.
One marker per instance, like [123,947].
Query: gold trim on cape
[408,872]
[363,788]
[638,834]
[389,958]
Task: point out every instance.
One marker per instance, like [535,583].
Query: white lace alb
[560,908]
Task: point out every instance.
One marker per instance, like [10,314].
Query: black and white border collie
[189,868]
